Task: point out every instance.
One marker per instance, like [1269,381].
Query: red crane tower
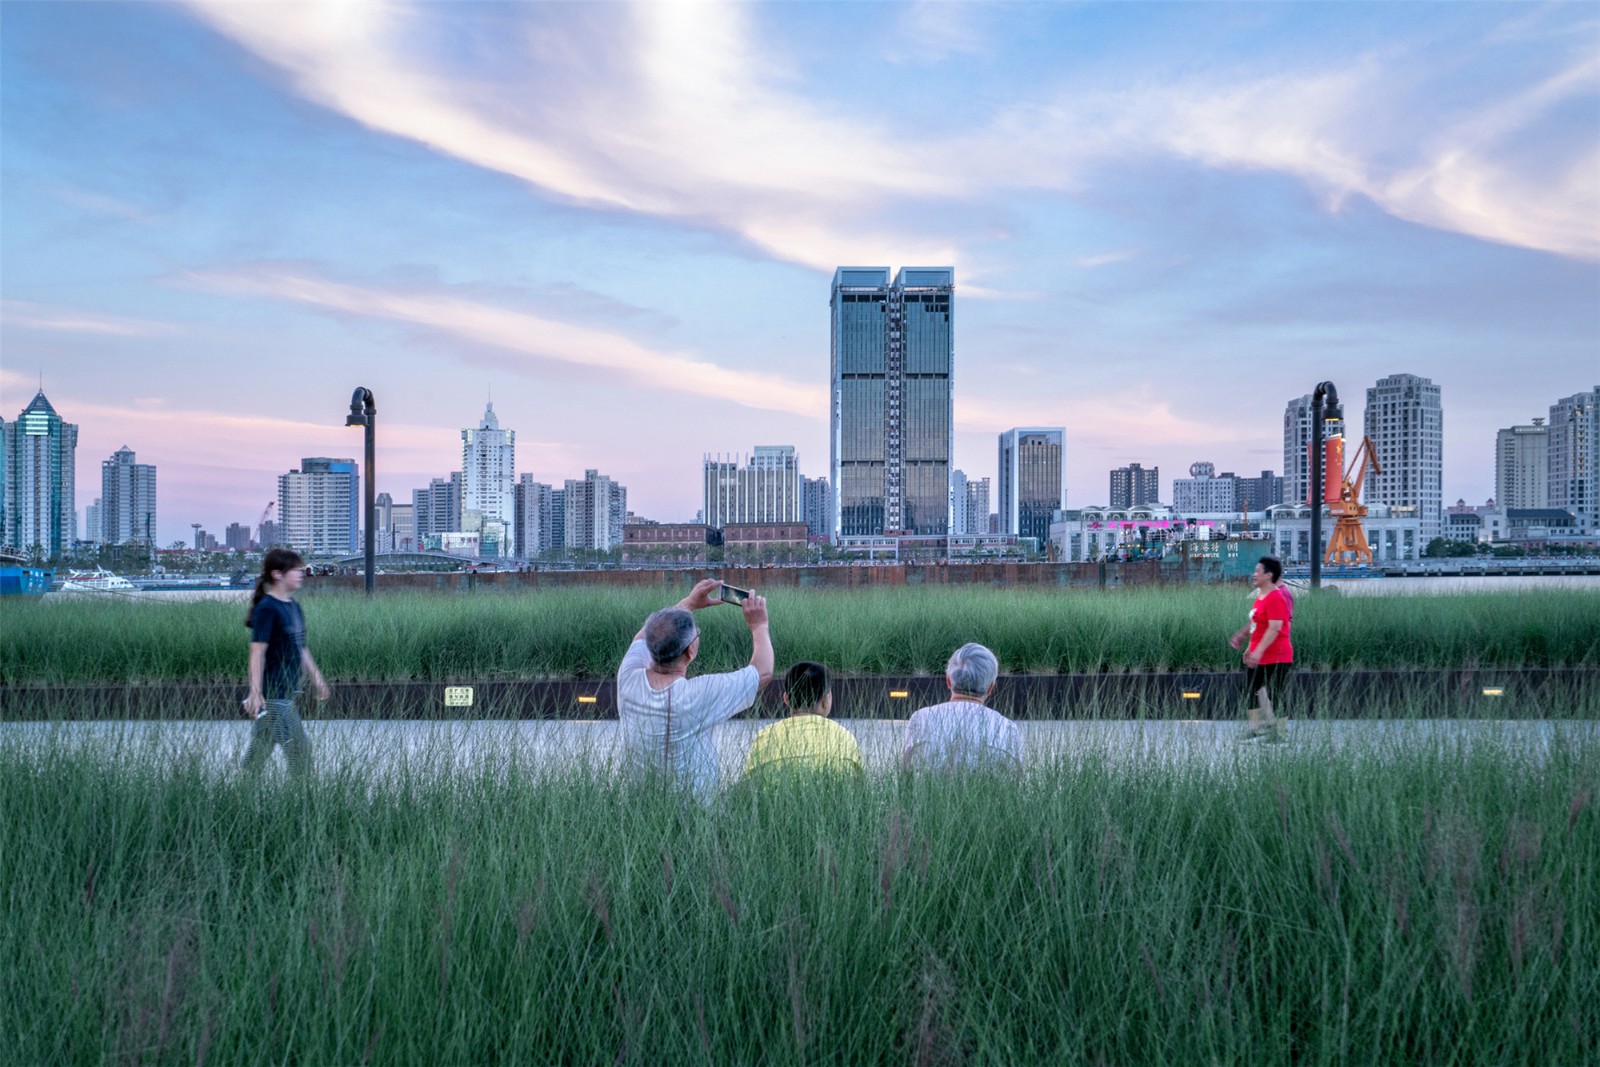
[1349,537]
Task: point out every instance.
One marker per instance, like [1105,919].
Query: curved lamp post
[364,412]
[1325,408]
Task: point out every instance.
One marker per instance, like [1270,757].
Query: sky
[619,222]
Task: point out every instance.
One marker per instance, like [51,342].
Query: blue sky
[621,221]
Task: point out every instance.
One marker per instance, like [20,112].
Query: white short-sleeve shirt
[961,734]
[669,729]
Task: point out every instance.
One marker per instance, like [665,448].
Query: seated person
[667,718]
[807,740]
[963,732]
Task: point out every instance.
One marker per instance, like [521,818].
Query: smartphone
[732,594]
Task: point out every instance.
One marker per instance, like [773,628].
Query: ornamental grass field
[1290,906]
[581,633]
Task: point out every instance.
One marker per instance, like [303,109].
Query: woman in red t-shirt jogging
[1269,656]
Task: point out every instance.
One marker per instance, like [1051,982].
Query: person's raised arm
[699,597]
[755,614]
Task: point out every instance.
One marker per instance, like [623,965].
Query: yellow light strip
[587,700]
[899,694]
[1191,694]
[1494,692]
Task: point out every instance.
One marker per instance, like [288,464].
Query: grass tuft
[1433,905]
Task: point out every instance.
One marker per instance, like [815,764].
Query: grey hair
[972,670]
[669,633]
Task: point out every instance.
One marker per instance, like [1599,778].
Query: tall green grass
[583,632]
[1307,907]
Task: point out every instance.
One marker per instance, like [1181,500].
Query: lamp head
[361,405]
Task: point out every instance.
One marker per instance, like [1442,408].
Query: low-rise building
[769,541]
[668,542]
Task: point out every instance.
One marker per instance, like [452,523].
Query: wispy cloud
[932,31]
[29,316]
[674,110]
[608,356]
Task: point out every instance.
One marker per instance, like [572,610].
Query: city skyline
[1166,221]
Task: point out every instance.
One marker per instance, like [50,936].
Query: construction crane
[266,515]
[1349,537]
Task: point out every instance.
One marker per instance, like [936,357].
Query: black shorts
[1268,676]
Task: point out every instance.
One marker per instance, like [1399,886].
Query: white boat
[98,580]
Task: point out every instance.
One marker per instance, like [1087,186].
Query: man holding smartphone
[666,716]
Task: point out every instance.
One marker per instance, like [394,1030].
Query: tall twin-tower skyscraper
[891,419]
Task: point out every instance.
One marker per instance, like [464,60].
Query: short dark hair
[1273,566]
[806,684]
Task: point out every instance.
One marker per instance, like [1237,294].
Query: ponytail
[277,559]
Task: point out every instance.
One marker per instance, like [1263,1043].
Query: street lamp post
[1325,408]
[364,412]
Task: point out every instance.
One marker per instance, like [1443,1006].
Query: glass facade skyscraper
[890,365]
[40,449]
[1033,484]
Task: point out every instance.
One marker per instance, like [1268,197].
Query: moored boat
[17,578]
[98,580]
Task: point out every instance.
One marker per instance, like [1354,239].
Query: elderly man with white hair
[667,717]
[964,732]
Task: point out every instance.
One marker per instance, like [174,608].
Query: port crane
[266,516]
[1349,537]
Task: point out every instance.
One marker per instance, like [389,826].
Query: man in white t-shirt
[963,732]
[667,717]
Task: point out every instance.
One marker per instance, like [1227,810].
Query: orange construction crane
[1349,538]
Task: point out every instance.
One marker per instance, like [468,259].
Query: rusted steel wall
[995,575]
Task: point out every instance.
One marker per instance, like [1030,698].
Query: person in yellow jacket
[807,740]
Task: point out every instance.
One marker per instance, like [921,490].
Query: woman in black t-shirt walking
[278,654]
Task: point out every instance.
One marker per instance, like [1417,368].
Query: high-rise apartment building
[1259,493]
[958,501]
[237,537]
[596,509]
[1032,480]
[1133,486]
[127,499]
[558,517]
[535,518]
[891,355]
[91,522]
[317,510]
[1522,466]
[980,520]
[766,488]
[488,484]
[1405,421]
[41,515]
[1575,458]
[383,515]
[813,506]
[403,528]
[436,510]
[1297,448]
[1205,492]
